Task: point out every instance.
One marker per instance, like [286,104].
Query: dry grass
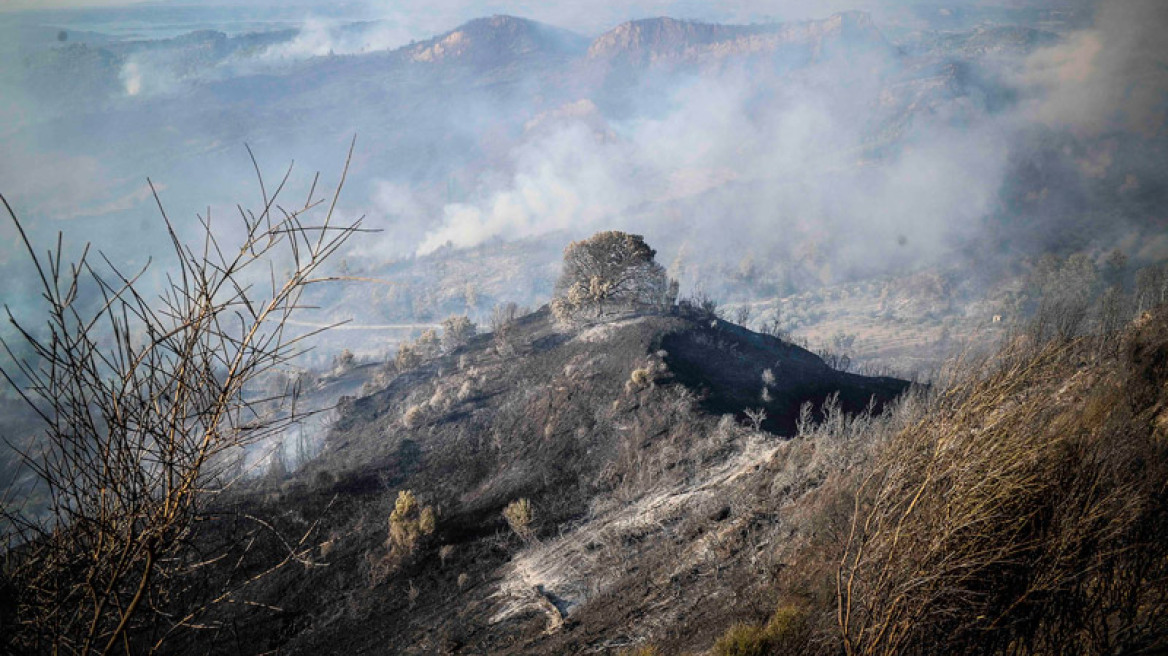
[1016,507]
[787,632]
[1020,515]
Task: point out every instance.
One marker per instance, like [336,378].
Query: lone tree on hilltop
[610,270]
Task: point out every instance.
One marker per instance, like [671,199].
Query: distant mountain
[661,40]
[982,41]
[525,80]
[494,41]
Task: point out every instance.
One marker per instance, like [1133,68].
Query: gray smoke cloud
[1112,76]
[785,165]
[736,162]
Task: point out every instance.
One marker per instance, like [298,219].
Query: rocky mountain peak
[668,39]
[495,39]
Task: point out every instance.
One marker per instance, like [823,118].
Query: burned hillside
[586,498]
[601,427]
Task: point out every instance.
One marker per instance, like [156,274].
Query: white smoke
[737,162]
[1112,76]
[148,74]
[319,37]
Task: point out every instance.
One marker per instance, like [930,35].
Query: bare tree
[1151,287]
[742,314]
[774,325]
[756,417]
[837,353]
[1064,290]
[502,316]
[146,400]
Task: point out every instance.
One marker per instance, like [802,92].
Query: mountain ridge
[664,39]
[495,39]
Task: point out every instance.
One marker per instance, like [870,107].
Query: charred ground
[629,437]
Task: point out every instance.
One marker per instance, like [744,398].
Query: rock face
[666,40]
[494,41]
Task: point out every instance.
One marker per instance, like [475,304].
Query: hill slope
[614,432]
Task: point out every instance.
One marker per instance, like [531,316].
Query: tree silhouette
[146,401]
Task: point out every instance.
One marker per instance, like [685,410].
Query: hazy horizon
[971,135]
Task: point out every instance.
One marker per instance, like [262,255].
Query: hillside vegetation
[588,494]
[624,452]
[891,380]
[631,472]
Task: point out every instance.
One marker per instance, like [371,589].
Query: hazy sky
[20,5]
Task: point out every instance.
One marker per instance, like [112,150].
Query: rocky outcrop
[667,40]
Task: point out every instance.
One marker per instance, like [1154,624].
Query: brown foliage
[1022,515]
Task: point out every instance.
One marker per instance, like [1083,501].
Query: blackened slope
[585,368]
[726,363]
[577,420]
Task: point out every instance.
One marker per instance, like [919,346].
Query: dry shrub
[787,632]
[466,391]
[379,566]
[407,357]
[440,400]
[408,522]
[456,331]
[147,384]
[413,416]
[1023,515]
[520,515]
[413,354]
[330,544]
[412,594]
